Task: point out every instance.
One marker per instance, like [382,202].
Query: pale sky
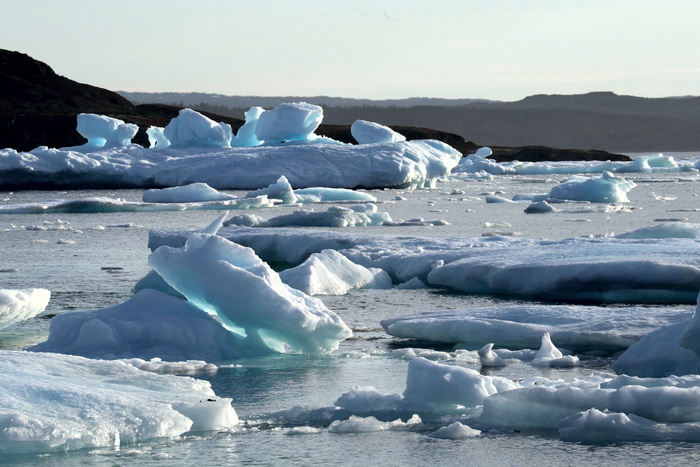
[377,49]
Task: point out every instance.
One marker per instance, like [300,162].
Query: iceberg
[366,132]
[148,325]
[608,188]
[57,403]
[288,122]
[20,305]
[191,129]
[331,273]
[104,132]
[230,281]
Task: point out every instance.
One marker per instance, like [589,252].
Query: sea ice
[366,132]
[357,424]
[148,325]
[665,230]
[229,280]
[331,273]
[55,403]
[490,359]
[456,431]
[192,193]
[246,134]
[20,305]
[334,216]
[550,356]
[608,188]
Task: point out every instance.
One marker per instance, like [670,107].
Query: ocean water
[109,255]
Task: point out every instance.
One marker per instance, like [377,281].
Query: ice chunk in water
[20,305]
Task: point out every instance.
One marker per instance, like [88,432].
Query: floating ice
[456,431]
[366,132]
[104,132]
[230,281]
[288,122]
[549,355]
[573,327]
[608,188]
[281,190]
[192,193]
[370,424]
[148,325]
[540,207]
[156,137]
[665,230]
[246,134]
[335,216]
[190,129]
[490,359]
[602,427]
[334,195]
[20,305]
[603,269]
[670,350]
[55,403]
[331,273]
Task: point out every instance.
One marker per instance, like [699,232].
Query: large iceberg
[20,305]
[230,281]
[56,403]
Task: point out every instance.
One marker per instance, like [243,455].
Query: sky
[376,49]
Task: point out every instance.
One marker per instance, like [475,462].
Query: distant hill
[39,107]
[601,120]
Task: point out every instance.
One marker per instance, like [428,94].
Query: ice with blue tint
[156,137]
[573,327]
[665,230]
[192,193]
[366,132]
[608,188]
[246,134]
[148,325]
[20,305]
[104,132]
[288,122]
[335,216]
[280,190]
[57,403]
[331,273]
[603,269]
[190,129]
[283,191]
[230,281]
[101,204]
[673,349]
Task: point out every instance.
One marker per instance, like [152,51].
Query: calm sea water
[35,246]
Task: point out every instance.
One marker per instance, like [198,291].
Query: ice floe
[57,403]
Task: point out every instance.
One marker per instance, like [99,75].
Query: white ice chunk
[148,325]
[288,122]
[55,403]
[665,230]
[192,193]
[324,195]
[357,424]
[549,355]
[366,132]
[156,137]
[281,190]
[20,305]
[192,129]
[331,273]
[488,358]
[229,280]
[335,216]
[104,132]
[456,431]
[608,188]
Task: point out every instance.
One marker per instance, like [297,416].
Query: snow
[603,269]
[190,129]
[331,273]
[260,309]
[20,305]
[669,350]
[366,132]
[56,403]
[148,325]
[288,122]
